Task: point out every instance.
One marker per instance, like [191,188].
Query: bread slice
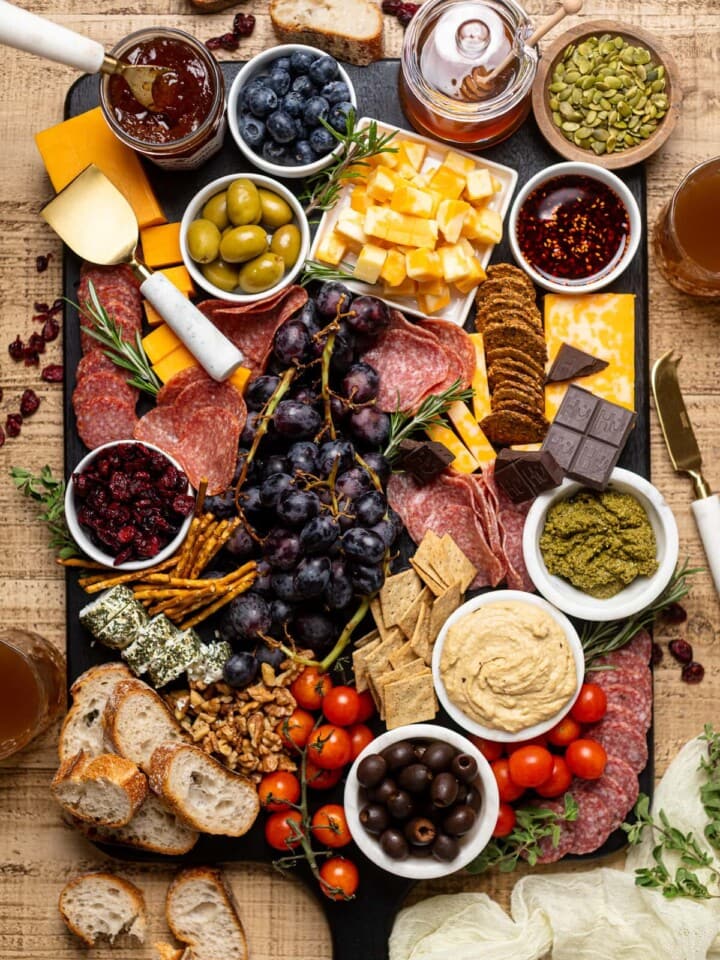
[213,6]
[202,792]
[98,906]
[166,951]
[107,789]
[82,728]
[201,912]
[153,828]
[137,721]
[350,30]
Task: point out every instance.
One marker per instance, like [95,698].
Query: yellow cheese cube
[464,461]
[357,172]
[448,182]
[411,231]
[455,262]
[180,278]
[480,387]
[350,225]
[405,170]
[479,185]
[160,343]
[459,163]
[151,315]
[471,434]
[239,378]
[388,158]
[360,201]
[496,184]
[408,288]
[331,249]
[369,263]
[421,180]
[484,225]
[412,152]
[451,216]
[173,363]
[161,245]
[393,271]
[381,184]
[423,264]
[409,199]
[377,221]
[474,278]
[433,296]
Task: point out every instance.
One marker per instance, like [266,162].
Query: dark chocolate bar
[523,474]
[423,460]
[570,363]
[587,436]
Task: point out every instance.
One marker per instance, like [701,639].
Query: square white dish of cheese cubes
[419,228]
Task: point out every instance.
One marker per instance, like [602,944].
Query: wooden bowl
[546,67]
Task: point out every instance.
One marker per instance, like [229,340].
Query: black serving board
[360,928]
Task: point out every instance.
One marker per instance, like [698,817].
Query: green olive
[243,243]
[243,202]
[215,210]
[261,273]
[286,243]
[275,211]
[221,274]
[203,240]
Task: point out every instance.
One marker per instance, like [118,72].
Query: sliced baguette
[202,792]
[201,912]
[137,721]
[99,906]
[153,828]
[107,789]
[83,728]
[350,30]
[166,951]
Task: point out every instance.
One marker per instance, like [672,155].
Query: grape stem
[264,422]
[344,638]
[325,382]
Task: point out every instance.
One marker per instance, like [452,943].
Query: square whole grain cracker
[420,641]
[409,618]
[376,611]
[379,680]
[410,700]
[378,658]
[402,656]
[442,608]
[397,595]
[359,660]
[455,568]
[428,577]
[367,639]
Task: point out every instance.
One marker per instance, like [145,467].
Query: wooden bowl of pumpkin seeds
[606,93]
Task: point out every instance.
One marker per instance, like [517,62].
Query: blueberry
[276,153]
[293,103]
[281,126]
[322,141]
[303,153]
[301,130]
[304,86]
[323,70]
[279,82]
[335,91]
[282,63]
[301,61]
[252,131]
[316,108]
[255,84]
[337,117]
[262,101]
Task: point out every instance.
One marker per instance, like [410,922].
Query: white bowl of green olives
[244,237]
[421,801]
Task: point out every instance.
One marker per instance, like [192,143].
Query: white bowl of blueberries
[277,102]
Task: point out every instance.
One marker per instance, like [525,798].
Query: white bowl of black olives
[421,801]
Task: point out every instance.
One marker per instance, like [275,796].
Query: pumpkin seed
[591,117]
[570,126]
[583,133]
[598,148]
[611,143]
[557,87]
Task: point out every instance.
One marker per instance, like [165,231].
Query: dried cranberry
[2,436]
[29,402]
[40,308]
[147,546]
[120,486]
[214,43]
[243,24]
[693,672]
[36,343]
[127,534]
[53,373]
[681,650]
[50,330]
[657,654]
[31,358]
[42,262]
[183,504]
[407,12]
[57,306]
[13,424]
[228,41]
[675,613]
[392,7]
[16,349]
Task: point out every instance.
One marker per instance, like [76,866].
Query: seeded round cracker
[503,309]
[502,270]
[503,370]
[518,335]
[495,354]
[507,427]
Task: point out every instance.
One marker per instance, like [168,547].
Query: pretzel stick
[239,588]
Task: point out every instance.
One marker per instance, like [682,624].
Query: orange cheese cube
[393,270]
[239,378]
[388,158]
[381,184]
[331,249]
[484,225]
[474,278]
[451,216]
[173,363]
[412,152]
[412,231]
[161,245]
[360,201]
[433,296]
[478,185]
[459,163]
[409,199]
[369,263]
[408,288]
[151,315]
[448,182]
[423,264]
[455,262]
[350,225]
[180,278]
[158,344]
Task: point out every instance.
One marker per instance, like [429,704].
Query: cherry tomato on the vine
[329,747]
[586,759]
[340,878]
[505,821]
[590,705]
[329,826]
[366,706]
[279,790]
[558,781]
[564,732]
[507,788]
[295,729]
[530,766]
[283,830]
[360,737]
[488,748]
[319,779]
[341,706]
[310,688]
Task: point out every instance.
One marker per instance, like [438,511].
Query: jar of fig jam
[190,125]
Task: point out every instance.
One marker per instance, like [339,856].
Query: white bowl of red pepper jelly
[128,505]
[574,228]
[190,127]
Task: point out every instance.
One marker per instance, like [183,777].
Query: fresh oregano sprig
[49,492]
[430,411]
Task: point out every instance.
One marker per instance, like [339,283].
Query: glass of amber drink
[32,675]
[686,239]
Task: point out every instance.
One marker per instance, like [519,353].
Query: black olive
[425,851]
[415,778]
[371,770]
[459,820]
[462,792]
[384,790]
[400,805]
[399,754]
[473,798]
[374,817]
[394,844]
[438,756]
[420,749]
[444,790]
[445,848]
[420,831]
[465,767]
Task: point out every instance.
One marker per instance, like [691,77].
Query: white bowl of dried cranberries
[128,505]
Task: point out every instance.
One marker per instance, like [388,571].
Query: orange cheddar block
[459,163]
[409,199]
[151,315]
[412,153]
[448,182]
[451,216]
[69,147]
[433,296]
[239,378]
[408,288]
[474,278]
[381,184]
[161,245]
[393,270]
[483,224]
[480,386]
[180,277]
[464,461]
[360,201]
[179,359]
[331,249]
[423,265]
[158,344]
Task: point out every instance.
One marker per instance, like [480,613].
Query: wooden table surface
[38,853]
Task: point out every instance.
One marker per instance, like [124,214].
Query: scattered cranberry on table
[243,26]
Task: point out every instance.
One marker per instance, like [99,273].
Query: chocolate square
[562,443]
[577,409]
[594,463]
[523,474]
[423,460]
[570,363]
[612,423]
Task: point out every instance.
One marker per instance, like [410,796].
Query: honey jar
[444,43]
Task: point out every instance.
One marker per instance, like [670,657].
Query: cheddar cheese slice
[480,388]
[179,359]
[464,461]
[151,315]
[161,245]
[470,432]
[180,277]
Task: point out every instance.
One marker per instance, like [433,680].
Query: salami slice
[511,522]
[552,852]
[104,383]
[635,654]
[118,292]
[621,739]
[594,821]
[94,361]
[634,694]
[485,516]
[109,418]
[158,426]
[619,787]
[208,392]
[207,447]
[452,337]
[169,392]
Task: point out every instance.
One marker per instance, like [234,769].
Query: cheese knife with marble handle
[685,455]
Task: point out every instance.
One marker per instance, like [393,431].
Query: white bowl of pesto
[601,564]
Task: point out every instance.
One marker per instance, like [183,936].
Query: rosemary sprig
[358,145]
[126,355]
[403,424]
[314,270]
[601,638]
[49,492]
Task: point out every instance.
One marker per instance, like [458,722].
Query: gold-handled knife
[685,455]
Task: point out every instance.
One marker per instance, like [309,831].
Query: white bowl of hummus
[507,666]
[597,558]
